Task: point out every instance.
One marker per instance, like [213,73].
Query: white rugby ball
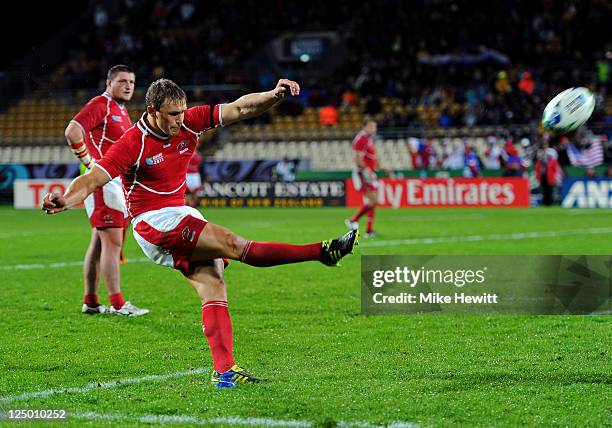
[568,110]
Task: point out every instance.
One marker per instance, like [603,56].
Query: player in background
[364,176]
[90,134]
[193,179]
[152,160]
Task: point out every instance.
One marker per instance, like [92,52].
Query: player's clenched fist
[286,87]
[53,203]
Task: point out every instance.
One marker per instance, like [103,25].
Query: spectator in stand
[472,163]
[512,160]
[526,84]
[349,99]
[428,155]
[445,120]
[328,115]
[413,149]
[548,173]
[503,84]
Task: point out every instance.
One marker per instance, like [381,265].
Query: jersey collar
[142,125]
[108,96]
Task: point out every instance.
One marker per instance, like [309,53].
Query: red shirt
[103,120]
[153,167]
[364,143]
[194,163]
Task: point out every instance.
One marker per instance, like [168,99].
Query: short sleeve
[91,115]
[201,118]
[119,158]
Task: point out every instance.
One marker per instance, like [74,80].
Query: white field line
[494,237]
[58,265]
[422,218]
[231,420]
[96,385]
[6,235]
[579,211]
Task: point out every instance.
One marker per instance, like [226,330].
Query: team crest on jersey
[183,146]
[117,118]
[188,234]
[154,160]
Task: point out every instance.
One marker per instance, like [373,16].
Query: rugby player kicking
[151,158]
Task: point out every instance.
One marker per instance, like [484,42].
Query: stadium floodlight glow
[304,57]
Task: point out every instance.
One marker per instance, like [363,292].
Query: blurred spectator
[445,120]
[548,173]
[608,173]
[472,163]
[100,16]
[328,115]
[526,84]
[187,10]
[349,99]
[603,68]
[503,84]
[512,161]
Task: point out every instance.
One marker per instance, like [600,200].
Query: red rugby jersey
[153,167]
[194,163]
[103,120]
[364,143]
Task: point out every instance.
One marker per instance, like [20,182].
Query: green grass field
[300,326]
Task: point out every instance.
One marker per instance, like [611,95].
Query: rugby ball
[568,110]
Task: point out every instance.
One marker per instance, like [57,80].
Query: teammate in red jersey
[193,179]
[92,132]
[364,176]
[152,159]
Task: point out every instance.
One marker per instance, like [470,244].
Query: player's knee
[111,239]
[232,243]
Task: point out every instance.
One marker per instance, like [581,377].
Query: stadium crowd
[429,53]
[437,63]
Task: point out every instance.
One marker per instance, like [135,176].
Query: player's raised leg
[218,242]
[208,282]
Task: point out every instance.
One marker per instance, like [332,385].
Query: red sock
[116,300]
[264,254]
[364,209]
[370,226]
[91,300]
[217,327]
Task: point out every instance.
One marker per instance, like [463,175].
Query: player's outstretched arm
[76,193]
[254,104]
